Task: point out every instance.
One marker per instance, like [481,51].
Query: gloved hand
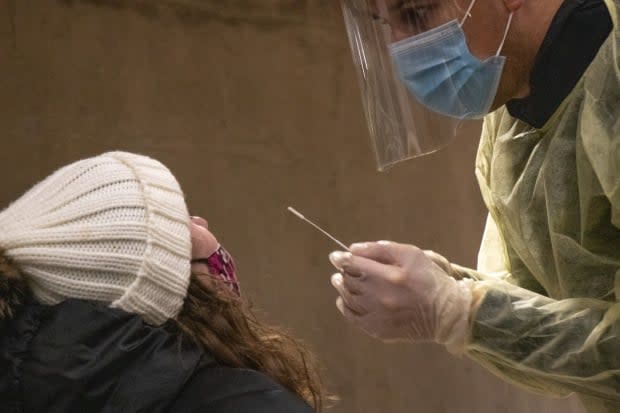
[453,271]
[395,292]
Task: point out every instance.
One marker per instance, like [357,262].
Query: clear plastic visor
[404,125]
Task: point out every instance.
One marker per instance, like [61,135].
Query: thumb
[385,252]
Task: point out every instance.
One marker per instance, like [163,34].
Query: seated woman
[113,300]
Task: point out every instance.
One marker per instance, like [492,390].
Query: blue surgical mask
[441,73]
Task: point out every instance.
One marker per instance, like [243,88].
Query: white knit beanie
[113,229]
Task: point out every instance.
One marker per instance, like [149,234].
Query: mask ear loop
[501,46]
[508,25]
[467,13]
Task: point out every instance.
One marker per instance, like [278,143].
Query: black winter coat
[82,357]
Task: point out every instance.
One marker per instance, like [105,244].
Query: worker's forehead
[393,4]
[379,6]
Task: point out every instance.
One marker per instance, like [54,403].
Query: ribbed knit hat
[113,229]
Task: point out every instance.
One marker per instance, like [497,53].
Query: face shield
[418,79]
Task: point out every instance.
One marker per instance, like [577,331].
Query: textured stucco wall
[254,105]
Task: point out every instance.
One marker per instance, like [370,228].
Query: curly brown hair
[226,326]
[223,324]
[13,288]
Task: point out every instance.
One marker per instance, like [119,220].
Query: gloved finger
[387,252]
[346,311]
[349,300]
[355,285]
[355,319]
[355,266]
[379,257]
[440,261]
[339,259]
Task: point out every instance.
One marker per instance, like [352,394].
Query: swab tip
[295,212]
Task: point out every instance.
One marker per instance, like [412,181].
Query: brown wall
[254,105]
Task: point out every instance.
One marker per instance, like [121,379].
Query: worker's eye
[414,14]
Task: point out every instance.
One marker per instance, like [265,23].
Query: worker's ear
[513,5]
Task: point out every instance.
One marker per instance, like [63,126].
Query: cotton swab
[303,218]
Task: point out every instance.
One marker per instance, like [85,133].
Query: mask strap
[467,13]
[501,46]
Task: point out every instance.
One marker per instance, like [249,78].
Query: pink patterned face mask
[221,265]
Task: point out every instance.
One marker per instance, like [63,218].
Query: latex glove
[395,292]
[444,264]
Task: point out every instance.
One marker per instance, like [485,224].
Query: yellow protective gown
[549,264]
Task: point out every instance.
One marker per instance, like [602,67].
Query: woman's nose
[201,222]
